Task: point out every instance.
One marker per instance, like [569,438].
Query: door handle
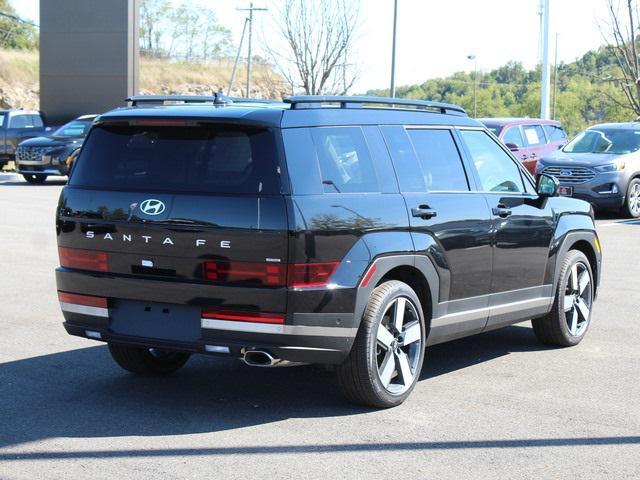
[423,211]
[501,211]
[524,157]
[533,155]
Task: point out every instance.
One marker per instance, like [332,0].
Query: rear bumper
[178,325]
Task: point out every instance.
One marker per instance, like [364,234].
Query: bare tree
[318,39]
[622,37]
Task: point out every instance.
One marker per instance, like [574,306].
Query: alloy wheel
[578,299]
[399,346]
[634,199]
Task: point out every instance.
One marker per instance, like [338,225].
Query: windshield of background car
[203,159]
[2,120]
[614,141]
[76,129]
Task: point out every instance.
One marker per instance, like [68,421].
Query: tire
[631,207]
[34,178]
[372,373]
[569,319]
[147,361]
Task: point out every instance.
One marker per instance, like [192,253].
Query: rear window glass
[345,162]
[555,133]
[185,159]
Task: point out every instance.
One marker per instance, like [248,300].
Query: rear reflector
[269,274]
[368,276]
[311,274]
[87,300]
[236,316]
[83,259]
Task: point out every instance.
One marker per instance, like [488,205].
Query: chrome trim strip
[304,330]
[493,310]
[85,310]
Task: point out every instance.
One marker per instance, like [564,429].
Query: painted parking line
[620,222]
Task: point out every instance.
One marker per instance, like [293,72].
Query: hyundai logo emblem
[151,206]
[566,173]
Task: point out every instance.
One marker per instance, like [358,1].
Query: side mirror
[548,186]
[513,147]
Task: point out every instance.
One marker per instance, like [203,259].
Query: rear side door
[523,227]
[449,223]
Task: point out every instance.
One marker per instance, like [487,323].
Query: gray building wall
[88,56]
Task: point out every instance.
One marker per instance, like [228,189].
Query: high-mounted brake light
[237,316]
[84,259]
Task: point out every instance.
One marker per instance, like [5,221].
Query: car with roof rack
[39,157]
[345,231]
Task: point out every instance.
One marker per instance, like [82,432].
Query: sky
[434,36]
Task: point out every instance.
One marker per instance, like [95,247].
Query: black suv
[351,231]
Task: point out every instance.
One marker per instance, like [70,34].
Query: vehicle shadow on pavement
[82,393]
[23,183]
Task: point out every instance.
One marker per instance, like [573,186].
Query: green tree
[16,33]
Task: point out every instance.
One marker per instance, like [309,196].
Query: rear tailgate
[185,215]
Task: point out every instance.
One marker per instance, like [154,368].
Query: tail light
[238,316]
[86,300]
[269,274]
[311,274]
[249,273]
[84,259]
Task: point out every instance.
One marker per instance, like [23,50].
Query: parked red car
[528,138]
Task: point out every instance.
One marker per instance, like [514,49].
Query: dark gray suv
[602,166]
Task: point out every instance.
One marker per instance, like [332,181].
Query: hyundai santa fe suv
[602,166]
[349,231]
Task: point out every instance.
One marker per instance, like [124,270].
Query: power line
[18,19]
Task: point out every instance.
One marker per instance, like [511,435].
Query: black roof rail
[306,101]
[218,99]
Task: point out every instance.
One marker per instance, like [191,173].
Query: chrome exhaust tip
[259,358]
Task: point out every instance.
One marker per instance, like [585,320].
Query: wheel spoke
[583,308]
[386,369]
[583,281]
[412,333]
[402,365]
[384,337]
[398,314]
[573,328]
[568,302]
[574,277]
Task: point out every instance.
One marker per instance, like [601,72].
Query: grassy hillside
[19,85]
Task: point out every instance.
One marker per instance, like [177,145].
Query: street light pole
[475,83]
[392,90]
[546,71]
[251,9]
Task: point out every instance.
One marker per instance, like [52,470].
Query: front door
[523,227]
[450,224]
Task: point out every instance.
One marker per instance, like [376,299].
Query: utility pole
[235,64]
[251,9]
[475,83]
[546,73]
[392,89]
[555,77]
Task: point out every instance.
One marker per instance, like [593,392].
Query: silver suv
[602,166]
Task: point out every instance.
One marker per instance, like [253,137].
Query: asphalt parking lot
[496,405]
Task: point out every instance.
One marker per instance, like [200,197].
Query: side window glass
[513,135]
[408,171]
[36,121]
[496,170]
[440,160]
[555,133]
[534,134]
[345,162]
[18,121]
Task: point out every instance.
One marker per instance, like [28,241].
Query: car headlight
[610,167]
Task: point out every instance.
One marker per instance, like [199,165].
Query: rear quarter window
[207,159]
